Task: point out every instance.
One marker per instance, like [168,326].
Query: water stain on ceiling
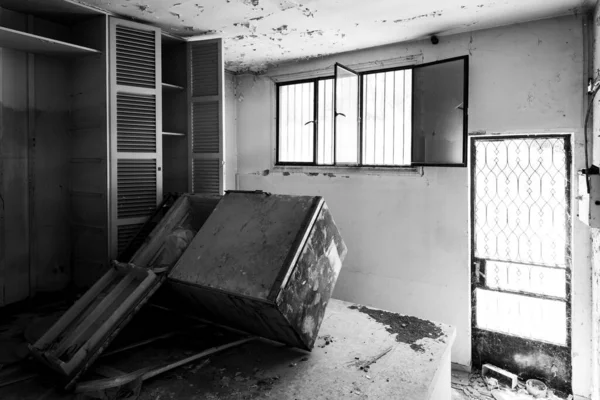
[261,33]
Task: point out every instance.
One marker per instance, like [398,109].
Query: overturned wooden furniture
[265,264]
[73,343]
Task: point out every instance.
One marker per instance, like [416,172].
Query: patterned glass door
[521,252]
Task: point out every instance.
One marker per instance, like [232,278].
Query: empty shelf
[173,134]
[27,42]
[168,86]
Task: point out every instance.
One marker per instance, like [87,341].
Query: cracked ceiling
[261,33]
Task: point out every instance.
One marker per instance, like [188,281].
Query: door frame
[491,342]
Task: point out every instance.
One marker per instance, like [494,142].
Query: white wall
[407,235]
[231,156]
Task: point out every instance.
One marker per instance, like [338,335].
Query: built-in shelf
[66,12]
[171,87]
[173,134]
[17,40]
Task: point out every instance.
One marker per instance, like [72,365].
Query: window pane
[296,109]
[346,128]
[325,125]
[438,113]
[528,317]
[387,118]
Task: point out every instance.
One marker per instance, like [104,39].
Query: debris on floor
[479,386]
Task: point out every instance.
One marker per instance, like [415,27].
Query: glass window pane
[346,121]
[438,113]
[524,316]
[325,123]
[296,134]
[387,118]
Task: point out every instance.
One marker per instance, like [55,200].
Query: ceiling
[261,33]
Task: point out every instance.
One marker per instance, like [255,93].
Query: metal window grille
[386,121]
[521,236]
[387,118]
[296,120]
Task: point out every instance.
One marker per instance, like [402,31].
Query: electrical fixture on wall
[589,177]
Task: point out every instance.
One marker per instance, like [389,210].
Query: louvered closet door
[207,168]
[136,128]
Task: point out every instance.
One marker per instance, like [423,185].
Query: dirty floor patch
[408,329]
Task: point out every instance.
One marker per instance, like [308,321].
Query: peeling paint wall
[407,235]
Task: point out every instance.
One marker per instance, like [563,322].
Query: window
[392,118]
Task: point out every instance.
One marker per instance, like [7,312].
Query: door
[205,98]
[521,253]
[135,128]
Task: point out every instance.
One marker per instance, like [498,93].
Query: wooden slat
[84,326]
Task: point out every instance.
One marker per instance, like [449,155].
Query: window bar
[360,120]
[290,125]
[302,121]
[316,119]
[394,122]
[384,113]
[375,114]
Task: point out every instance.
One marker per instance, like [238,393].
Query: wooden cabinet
[205,91]
[100,116]
[135,128]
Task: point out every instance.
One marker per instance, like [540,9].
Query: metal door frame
[519,342]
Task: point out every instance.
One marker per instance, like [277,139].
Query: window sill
[346,171]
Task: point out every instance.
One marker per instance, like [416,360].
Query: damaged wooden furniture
[264,264]
[74,342]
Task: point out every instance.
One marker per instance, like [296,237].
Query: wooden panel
[136,188]
[49,169]
[14,213]
[135,125]
[61,11]
[14,269]
[206,136]
[246,314]
[320,262]
[175,165]
[205,98]
[205,60]
[246,242]
[26,42]
[90,155]
[135,56]
[206,176]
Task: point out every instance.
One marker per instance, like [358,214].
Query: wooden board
[21,41]
[14,189]
[89,155]
[72,344]
[61,11]
[243,250]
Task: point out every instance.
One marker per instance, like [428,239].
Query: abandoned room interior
[286,199]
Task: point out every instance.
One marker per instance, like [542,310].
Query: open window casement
[439,113]
[347,116]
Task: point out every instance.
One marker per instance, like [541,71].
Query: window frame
[362,74]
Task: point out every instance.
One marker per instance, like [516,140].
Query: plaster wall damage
[262,33]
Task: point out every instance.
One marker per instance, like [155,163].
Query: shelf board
[171,87]
[173,134]
[61,11]
[22,41]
